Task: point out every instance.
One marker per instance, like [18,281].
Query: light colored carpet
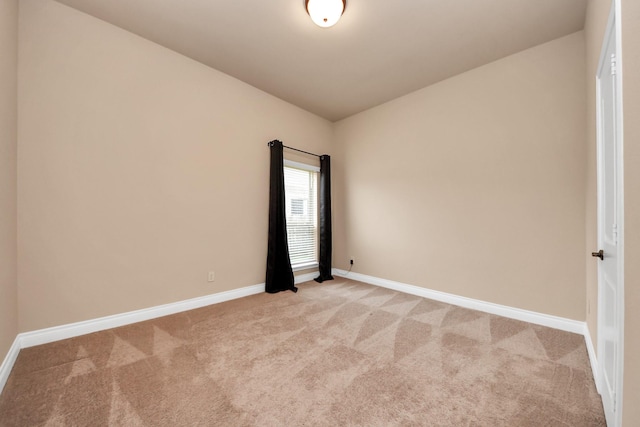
[337,353]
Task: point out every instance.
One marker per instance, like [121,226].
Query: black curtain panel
[324,218]
[279,272]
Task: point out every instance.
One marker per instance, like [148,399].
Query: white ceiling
[379,50]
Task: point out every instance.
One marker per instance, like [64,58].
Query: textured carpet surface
[337,353]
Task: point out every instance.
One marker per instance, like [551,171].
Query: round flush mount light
[325,13]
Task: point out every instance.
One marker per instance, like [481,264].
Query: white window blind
[301,191]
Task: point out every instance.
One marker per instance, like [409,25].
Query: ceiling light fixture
[325,13]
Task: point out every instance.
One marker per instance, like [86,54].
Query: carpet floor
[334,354]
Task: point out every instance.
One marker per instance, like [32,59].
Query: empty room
[320,212]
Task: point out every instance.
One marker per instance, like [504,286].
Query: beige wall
[631,110]
[139,170]
[475,185]
[8,146]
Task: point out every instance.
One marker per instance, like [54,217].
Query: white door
[610,217]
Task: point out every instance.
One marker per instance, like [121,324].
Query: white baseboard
[550,321]
[44,336]
[9,360]
[56,333]
[305,277]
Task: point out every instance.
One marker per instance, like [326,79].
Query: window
[301,191]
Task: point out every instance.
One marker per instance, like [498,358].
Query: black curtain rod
[295,149]
[302,151]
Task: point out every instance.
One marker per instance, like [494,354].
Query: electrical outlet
[212,276]
[352,260]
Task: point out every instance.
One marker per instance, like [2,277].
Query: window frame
[315,169]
